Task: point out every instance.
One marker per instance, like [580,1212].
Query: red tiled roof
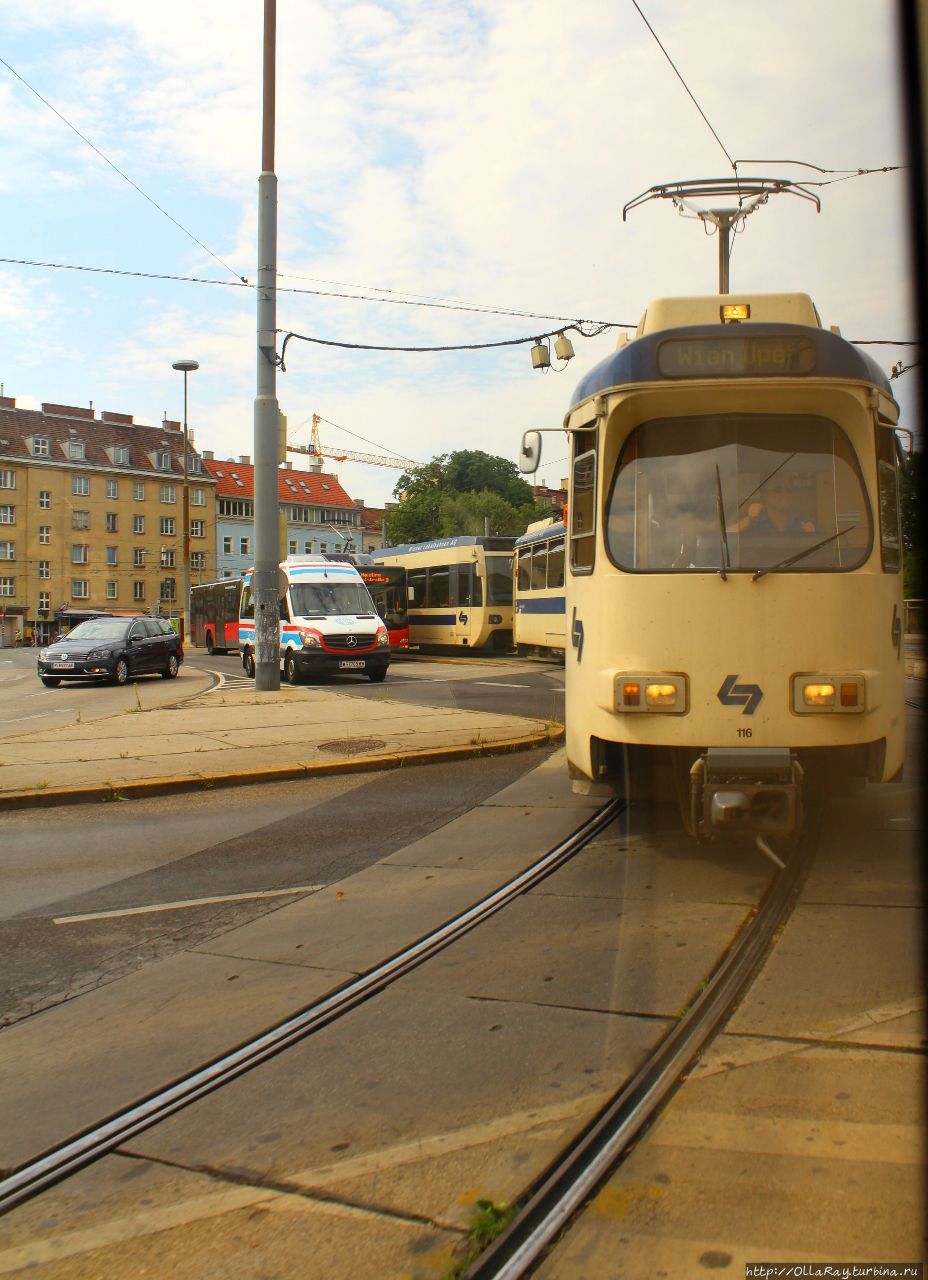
[309,487]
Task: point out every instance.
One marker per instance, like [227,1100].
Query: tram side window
[525,568]
[439,594]
[467,589]
[415,582]
[556,563]
[888,483]
[583,513]
[539,567]
[499,579]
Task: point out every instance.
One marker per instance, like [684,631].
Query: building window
[138,590]
[80,589]
[138,491]
[40,447]
[167,589]
[45,600]
[168,526]
[7,586]
[291,547]
[237,509]
[80,485]
[168,493]
[168,558]
[138,557]
[138,524]
[45,500]
[77,450]
[194,465]
[80,553]
[80,519]
[198,497]
[112,522]
[45,568]
[45,535]
[198,528]
[227,546]
[111,590]
[245,546]
[7,515]
[7,550]
[198,560]
[7,479]
[112,555]
[112,489]
[163,460]
[308,546]
[121,455]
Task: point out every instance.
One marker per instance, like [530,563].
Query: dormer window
[41,447]
[194,464]
[163,460]
[77,450]
[121,455]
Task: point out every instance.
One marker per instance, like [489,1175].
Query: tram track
[559,1193]
[80,1150]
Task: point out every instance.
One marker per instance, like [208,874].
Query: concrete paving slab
[127,1218]
[588,953]
[823,971]
[788,1160]
[79,1061]
[843,871]
[406,1067]
[358,922]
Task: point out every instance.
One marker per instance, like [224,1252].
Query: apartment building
[314,513]
[91,517]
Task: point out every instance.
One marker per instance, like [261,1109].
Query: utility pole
[266,437]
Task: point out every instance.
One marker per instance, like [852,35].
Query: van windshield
[326,599]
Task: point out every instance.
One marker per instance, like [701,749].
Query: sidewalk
[239,736]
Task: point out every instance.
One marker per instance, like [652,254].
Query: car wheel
[210,647]
[290,671]
[376,676]
[121,671]
[50,682]
[248,662]
[170,670]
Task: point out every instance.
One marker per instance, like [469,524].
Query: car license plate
[353,665]
[62,666]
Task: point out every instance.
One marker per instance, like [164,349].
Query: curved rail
[584,1165]
[60,1162]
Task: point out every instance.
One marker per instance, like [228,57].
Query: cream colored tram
[539,602]
[734,584]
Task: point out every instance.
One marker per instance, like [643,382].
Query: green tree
[473,513]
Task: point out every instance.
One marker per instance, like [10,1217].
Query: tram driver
[775,513]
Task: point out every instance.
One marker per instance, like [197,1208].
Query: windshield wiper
[723,534]
[801,555]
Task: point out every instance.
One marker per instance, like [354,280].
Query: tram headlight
[651,692]
[818,692]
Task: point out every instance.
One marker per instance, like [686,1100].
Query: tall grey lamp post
[186,366]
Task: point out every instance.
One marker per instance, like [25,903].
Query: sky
[476,153]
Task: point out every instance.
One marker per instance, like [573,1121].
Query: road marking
[39,715]
[188,902]
[498,684]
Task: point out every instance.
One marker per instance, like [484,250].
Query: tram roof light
[734,311]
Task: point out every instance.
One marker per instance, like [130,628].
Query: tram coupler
[754,791]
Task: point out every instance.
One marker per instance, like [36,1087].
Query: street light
[185,367]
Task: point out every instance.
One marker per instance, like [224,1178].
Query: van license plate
[354,666]
[62,666]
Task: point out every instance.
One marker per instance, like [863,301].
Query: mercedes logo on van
[351,642]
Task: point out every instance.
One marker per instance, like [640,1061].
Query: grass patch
[486,1223]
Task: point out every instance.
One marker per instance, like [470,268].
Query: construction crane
[316,449]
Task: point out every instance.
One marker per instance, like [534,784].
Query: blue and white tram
[539,591]
[460,591]
[734,594]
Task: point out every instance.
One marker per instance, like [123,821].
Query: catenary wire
[122,175]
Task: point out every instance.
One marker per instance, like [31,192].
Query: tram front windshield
[499,579]
[739,492]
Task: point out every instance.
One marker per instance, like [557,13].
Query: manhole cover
[351,746]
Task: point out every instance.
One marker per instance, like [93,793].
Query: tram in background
[390,594]
[460,591]
[734,593]
[539,606]
[214,610]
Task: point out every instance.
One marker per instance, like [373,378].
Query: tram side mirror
[530,454]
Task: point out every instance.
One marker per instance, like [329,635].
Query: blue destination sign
[736,356]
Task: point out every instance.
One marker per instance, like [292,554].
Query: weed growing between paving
[485,1225]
